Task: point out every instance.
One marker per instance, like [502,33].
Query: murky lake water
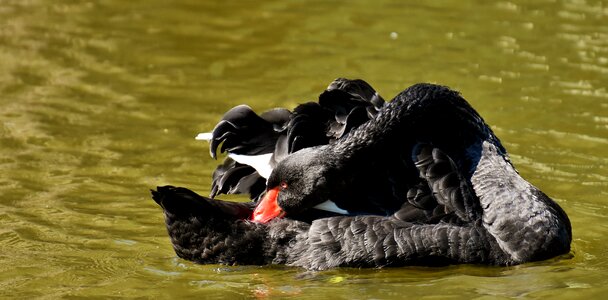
[99,102]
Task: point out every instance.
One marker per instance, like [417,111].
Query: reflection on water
[100,102]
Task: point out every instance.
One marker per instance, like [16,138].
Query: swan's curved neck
[422,113]
[373,134]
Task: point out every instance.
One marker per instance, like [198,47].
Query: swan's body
[425,181]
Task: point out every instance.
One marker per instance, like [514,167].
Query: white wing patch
[331,206]
[261,163]
[204,136]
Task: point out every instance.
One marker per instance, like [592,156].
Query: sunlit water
[99,102]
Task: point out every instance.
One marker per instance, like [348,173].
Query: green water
[100,101]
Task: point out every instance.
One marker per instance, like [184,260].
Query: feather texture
[424,178]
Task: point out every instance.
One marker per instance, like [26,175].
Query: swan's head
[300,181]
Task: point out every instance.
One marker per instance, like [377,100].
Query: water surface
[100,101]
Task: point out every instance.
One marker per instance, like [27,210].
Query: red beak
[268,208]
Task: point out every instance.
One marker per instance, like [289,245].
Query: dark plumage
[345,105]
[423,178]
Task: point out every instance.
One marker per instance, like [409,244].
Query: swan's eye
[283,185]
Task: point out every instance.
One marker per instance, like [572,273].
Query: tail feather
[211,231]
[184,202]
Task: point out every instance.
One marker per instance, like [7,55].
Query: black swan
[420,180]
